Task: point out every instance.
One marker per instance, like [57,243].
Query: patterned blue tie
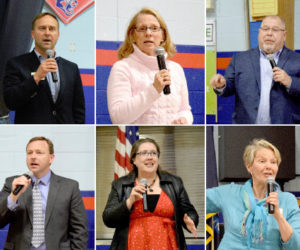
[38,234]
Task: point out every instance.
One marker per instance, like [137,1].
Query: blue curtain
[15,33]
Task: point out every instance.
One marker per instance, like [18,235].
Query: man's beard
[269,48]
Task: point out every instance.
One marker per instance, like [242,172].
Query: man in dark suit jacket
[65,219]
[264,95]
[29,85]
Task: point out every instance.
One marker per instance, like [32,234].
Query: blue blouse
[227,199]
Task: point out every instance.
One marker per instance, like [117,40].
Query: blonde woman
[135,85]
[244,207]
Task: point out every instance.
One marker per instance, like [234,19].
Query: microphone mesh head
[49,53]
[270,57]
[29,173]
[270,179]
[144,181]
[160,51]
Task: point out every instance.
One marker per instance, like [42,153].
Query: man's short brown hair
[42,138]
[42,15]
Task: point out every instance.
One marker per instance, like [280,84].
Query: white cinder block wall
[230,25]
[185,18]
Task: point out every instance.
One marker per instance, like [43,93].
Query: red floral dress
[153,231]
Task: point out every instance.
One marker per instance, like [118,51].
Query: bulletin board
[261,8]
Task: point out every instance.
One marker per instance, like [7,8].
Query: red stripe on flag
[120,159]
[121,136]
[128,164]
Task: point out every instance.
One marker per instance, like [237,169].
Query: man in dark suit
[56,219]
[264,95]
[30,87]
[15,17]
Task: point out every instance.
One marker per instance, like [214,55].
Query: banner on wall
[67,10]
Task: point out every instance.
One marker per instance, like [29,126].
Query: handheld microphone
[144,181]
[49,53]
[160,54]
[270,57]
[28,175]
[270,187]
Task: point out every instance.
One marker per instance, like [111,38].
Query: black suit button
[54,112]
[256,108]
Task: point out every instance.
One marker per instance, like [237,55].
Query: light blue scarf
[254,224]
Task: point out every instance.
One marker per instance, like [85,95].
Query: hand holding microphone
[270,57]
[49,53]
[270,189]
[162,78]
[272,199]
[20,184]
[136,194]
[49,65]
[279,75]
[145,204]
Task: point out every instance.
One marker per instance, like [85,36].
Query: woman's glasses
[145,154]
[144,29]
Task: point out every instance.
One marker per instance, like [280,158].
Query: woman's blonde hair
[126,47]
[256,145]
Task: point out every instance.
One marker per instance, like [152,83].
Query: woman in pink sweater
[135,85]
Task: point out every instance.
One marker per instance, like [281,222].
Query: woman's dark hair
[135,148]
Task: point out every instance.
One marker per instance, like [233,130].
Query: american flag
[126,136]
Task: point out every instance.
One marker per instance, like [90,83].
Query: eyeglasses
[144,29]
[145,153]
[275,29]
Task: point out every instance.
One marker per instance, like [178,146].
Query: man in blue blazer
[30,87]
[63,220]
[263,94]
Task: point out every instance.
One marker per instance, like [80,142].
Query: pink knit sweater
[132,99]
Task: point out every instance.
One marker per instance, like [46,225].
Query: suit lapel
[43,83]
[53,191]
[283,58]
[62,79]
[35,62]
[255,60]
